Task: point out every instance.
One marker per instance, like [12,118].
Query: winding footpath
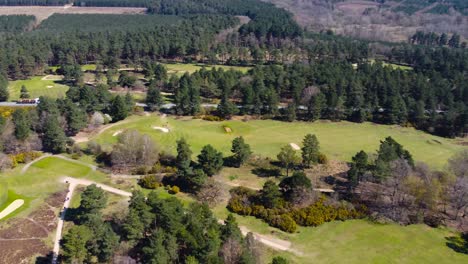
[72,183]
[272,242]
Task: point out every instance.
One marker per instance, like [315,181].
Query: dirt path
[26,167]
[274,243]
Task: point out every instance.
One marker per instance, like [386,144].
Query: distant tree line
[434,39]
[16,23]
[27,54]
[330,90]
[34,2]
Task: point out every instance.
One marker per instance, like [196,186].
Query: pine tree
[154,99]
[210,160]
[22,123]
[4,93]
[359,167]
[287,157]
[226,108]
[184,156]
[310,150]
[54,139]
[316,106]
[241,151]
[270,195]
[291,112]
[118,109]
[129,102]
[24,92]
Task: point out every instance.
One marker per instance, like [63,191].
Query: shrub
[76,156]
[149,182]
[24,157]
[322,158]
[245,202]
[212,118]
[174,190]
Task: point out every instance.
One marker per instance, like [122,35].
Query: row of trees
[335,91]
[434,39]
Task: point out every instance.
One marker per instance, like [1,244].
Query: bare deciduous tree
[132,150]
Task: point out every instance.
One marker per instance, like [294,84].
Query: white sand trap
[162,129]
[117,133]
[50,86]
[295,146]
[11,208]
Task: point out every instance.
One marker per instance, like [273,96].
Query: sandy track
[11,207]
[274,243]
[43,12]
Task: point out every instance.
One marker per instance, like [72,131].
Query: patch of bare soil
[23,238]
[324,175]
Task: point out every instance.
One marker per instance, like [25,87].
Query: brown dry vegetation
[43,12]
[369,20]
[23,238]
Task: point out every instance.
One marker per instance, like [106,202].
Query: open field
[180,69]
[394,66]
[340,141]
[37,86]
[361,241]
[43,12]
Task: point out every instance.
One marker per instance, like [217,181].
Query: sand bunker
[50,86]
[295,146]
[162,129]
[11,208]
[117,133]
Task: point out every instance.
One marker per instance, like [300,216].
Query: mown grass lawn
[340,141]
[36,87]
[360,241]
[43,179]
[182,68]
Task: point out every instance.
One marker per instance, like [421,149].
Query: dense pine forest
[316,75]
[16,23]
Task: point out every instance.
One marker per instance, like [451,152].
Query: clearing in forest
[338,140]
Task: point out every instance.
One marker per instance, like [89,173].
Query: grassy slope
[338,140]
[37,87]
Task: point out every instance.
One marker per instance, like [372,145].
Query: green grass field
[394,66]
[37,87]
[181,69]
[43,178]
[340,141]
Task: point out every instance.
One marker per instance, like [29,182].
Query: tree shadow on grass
[267,172]
[458,243]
